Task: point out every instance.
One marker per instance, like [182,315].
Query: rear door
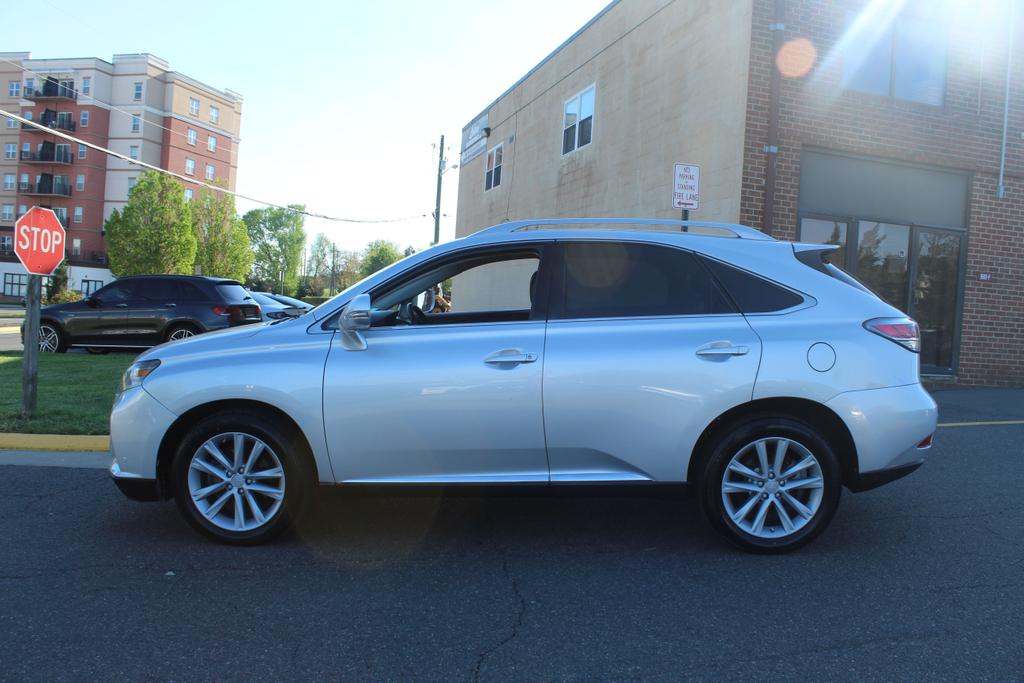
[152,306]
[643,350]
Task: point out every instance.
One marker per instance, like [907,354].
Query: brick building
[134,105]
[875,125]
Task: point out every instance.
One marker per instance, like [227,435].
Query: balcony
[45,188]
[48,157]
[51,90]
[56,124]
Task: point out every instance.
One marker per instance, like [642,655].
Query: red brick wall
[176,149]
[964,133]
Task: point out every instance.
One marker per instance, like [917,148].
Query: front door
[643,351]
[452,393]
[104,321]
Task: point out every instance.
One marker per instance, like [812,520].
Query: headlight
[137,372]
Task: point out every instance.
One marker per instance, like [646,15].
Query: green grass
[76,391]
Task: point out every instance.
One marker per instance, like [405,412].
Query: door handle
[170,305]
[721,349]
[510,357]
[121,306]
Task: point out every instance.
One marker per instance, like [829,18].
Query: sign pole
[30,355]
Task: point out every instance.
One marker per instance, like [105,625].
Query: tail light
[902,331]
[221,310]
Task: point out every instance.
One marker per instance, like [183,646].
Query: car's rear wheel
[51,339]
[241,478]
[181,332]
[771,484]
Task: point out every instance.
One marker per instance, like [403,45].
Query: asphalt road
[922,579]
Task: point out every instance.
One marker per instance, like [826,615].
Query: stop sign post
[39,240]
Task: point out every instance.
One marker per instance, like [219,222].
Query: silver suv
[557,352]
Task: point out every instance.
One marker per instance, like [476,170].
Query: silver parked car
[590,350]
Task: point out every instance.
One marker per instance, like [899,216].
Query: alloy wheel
[181,333]
[236,481]
[772,487]
[49,339]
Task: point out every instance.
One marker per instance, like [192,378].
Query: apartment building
[134,105]
[875,126]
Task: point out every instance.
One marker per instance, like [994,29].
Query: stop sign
[39,241]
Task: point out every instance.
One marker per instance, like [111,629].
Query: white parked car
[593,350]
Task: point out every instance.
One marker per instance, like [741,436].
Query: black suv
[146,310]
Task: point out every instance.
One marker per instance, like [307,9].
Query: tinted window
[116,292]
[609,279]
[157,289]
[751,293]
[232,292]
[188,291]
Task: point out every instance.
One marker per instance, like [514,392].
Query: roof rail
[738,231]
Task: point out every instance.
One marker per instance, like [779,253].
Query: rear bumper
[886,425]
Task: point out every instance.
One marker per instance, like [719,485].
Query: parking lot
[921,579]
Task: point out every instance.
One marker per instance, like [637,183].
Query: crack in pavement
[520,612]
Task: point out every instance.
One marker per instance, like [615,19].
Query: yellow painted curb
[981,424]
[54,442]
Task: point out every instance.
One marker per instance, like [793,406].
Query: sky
[345,101]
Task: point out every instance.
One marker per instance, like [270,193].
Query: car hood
[209,342]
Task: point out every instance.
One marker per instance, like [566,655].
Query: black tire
[289,447]
[62,340]
[730,444]
[177,329]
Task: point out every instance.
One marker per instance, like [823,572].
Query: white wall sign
[686,187]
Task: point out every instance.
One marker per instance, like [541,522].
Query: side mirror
[354,319]
[92,302]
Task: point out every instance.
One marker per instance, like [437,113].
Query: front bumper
[886,425]
[138,423]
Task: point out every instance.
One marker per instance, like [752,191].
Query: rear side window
[190,292]
[614,280]
[233,293]
[159,290]
[751,293]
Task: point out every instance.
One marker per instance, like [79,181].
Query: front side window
[578,121]
[619,280]
[492,173]
[116,292]
[905,59]
[193,106]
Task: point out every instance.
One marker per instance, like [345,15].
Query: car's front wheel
[241,478]
[771,484]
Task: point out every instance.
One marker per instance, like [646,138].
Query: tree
[277,236]
[222,241]
[318,265]
[152,234]
[378,254]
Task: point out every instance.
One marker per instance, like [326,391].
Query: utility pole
[437,202]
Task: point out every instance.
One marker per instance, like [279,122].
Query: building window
[14,89]
[6,244]
[137,94]
[209,171]
[24,184]
[492,172]
[136,123]
[84,119]
[214,114]
[78,214]
[190,166]
[15,284]
[8,213]
[192,135]
[905,60]
[193,106]
[188,194]
[131,183]
[87,85]
[22,210]
[62,213]
[133,152]
[80,183]
[30,86]
[76,247]
[90,286]
[211,143]
[578,121]
[10,182]
[82,151]
[11,123]
[11,150]
[28,115]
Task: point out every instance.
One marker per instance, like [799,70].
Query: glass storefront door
[915,268]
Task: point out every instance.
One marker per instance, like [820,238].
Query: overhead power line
[193,181]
